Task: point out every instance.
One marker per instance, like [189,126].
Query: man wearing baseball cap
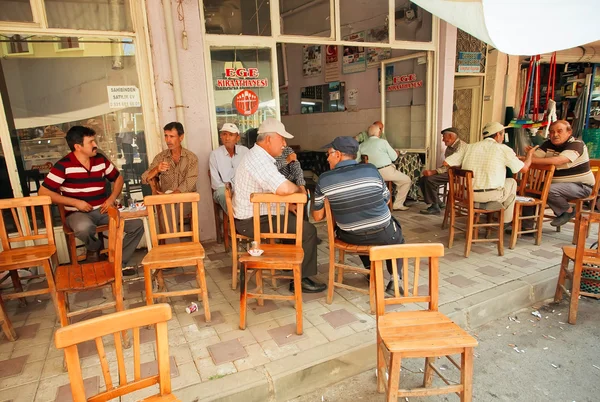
[224,160]
[488,159]
[257,173]
[358,198]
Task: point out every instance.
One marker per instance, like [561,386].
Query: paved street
[556,363]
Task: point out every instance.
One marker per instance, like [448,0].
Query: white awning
[522,27]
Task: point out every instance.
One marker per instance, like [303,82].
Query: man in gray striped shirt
[358,198]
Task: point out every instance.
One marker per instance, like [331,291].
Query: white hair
[373,130]
[261,137]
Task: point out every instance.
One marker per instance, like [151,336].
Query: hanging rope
[181,18]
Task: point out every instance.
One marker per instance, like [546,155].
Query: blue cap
[346,145]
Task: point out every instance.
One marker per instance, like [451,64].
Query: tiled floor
[32,368]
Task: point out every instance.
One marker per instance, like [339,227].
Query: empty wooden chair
[338,268]
[235,237]
[417,334]
[584,259]
[535,186]
[284,257]
[72,240]
[27,243]
[188,252]
[69,337]
[75,278]
[461,204]
[7,328]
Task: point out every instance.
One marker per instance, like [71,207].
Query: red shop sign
[246,102]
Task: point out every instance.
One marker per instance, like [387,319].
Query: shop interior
[49,84]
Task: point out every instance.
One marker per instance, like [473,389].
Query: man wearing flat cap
[257,173]
[431,180]
[488,159]
[358,198]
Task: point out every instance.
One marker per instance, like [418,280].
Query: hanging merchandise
[246,102]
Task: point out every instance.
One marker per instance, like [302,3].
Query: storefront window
[52,90]
[16,11]
[362,23]
[226,17]
[412,22]
[243,88]
[305,17]
[101,15]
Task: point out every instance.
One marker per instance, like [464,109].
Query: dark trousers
[390,235]
[309,238]
[430,186]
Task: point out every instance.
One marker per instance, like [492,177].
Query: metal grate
[461,118]
[467,43]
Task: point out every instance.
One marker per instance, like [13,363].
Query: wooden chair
[234,235]
[417,334]
[78,277]
[72,241]
[461,204]
[184,253]
[579,206]
[285,257]
[390,185]
[583,259]
[69,337]
[32,244]
[535,184]
[444,199]
[339,267]
[7,328]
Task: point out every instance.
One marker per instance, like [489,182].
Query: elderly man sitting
[431,180]
[257,173]
[382,155]
[573,177]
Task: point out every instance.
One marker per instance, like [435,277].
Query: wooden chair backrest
[69,337]
[171,206]
[330,223]
[116,230]
[407,252]
[537,180]
[461,188]
[26,223]
[272,203]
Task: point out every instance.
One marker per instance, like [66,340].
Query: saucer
[256,252]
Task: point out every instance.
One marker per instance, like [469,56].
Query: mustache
[95,149]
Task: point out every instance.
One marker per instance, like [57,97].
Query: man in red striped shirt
[78,182]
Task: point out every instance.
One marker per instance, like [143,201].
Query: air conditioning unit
[223,17]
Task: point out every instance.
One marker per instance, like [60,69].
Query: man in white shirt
[224,160]
[257,173]
[382,155]
[488,159]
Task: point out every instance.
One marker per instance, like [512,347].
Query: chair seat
[173,253]
[569,251]
[354,248]
[414,331]
[25,255]
[275,254]
[161,398]
[79,277]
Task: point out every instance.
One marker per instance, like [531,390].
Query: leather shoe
[432,210]
[309,286]
[92,256]
[563,218]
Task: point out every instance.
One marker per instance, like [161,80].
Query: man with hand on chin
[78,181]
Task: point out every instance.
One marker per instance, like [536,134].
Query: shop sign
[246,102]
[242,78]
[407,81]
[469,62]
[123,96]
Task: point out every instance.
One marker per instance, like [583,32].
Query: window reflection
[237,17]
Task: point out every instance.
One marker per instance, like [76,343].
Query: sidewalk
[268,361]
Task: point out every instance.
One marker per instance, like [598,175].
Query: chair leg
[61,298]
[428,377]
[501,232]
[539,225]
[234,266]
[466,375]
[117,289]
[380,366]
[226,238]
[578,206]
[14,277]
[203,296]
[562,275]
[372,289]
[516,226]
[51,284]
[148,283]
[341,259]
[394,380]
[273,279]
[72,248]
[7,328]
[298,298]
[576,283]
[469,234]
[243,296]
[451,226]
[446,213]
[331,285]
[259,286]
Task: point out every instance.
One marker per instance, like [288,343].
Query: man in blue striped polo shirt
[358,198]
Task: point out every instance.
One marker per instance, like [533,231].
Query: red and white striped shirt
[71,179]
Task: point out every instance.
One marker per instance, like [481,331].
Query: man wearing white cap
[257,173]
[488,159]
[224,160]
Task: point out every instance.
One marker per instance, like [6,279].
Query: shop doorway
[467,107]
